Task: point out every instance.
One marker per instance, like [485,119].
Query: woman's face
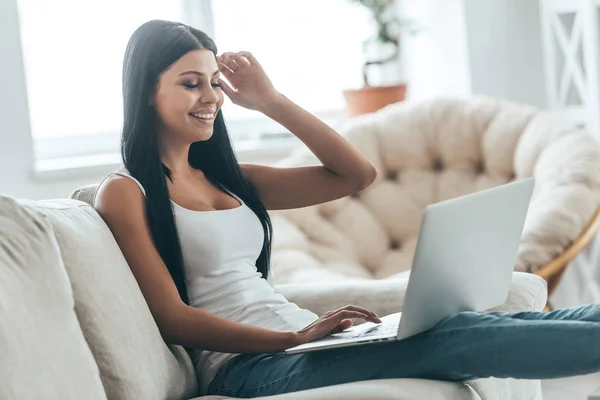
[188,97]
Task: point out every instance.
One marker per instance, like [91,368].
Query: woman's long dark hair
[153,47]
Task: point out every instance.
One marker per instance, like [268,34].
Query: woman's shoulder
[120,202]
[126,180]
[118,187]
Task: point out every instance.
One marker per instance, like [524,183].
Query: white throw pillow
[134,361]
[43,353]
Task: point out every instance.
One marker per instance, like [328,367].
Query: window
[73,53]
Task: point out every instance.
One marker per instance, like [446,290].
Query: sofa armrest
[528,292]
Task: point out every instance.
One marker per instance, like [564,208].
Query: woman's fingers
[227,89]
[237,60]
[370,313]
[344,314]
[248,57]
[240,60]
[336,320]
[231,63]
[226,59]
[225,70]
[333,319]
[227,55]
[342,326]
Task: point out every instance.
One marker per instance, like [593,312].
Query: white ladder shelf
[570,35]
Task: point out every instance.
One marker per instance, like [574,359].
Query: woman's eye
[195,85]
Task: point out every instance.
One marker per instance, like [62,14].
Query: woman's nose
[209,96]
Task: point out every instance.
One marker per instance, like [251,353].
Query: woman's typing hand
[334,322]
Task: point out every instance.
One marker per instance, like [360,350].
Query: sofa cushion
[134,361]
[40,337]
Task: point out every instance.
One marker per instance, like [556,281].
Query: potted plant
[386,40]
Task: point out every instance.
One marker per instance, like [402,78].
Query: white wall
[486,47]
[436,60]
[505,49]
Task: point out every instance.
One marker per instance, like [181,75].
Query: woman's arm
[122,206]
[345,170]
[335,153]
[192,327]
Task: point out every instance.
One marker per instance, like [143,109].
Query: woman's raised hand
[250,86]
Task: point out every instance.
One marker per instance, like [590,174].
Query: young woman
[193,225]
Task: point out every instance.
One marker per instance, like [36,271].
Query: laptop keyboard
[381,329]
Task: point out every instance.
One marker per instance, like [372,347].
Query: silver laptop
[464,261]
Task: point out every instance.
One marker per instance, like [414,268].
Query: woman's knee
[465,320]
[590,312]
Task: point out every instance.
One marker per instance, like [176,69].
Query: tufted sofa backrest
[432,151]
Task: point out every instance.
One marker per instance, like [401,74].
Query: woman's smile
[203,118]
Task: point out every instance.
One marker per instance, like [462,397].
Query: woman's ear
[152,97]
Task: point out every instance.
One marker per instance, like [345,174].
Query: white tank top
[220,249]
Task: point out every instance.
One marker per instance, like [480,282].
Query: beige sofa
[74,324]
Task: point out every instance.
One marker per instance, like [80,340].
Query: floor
[584,387]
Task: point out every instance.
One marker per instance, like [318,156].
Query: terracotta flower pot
[372,98]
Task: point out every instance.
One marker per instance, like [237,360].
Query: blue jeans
[470,345]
